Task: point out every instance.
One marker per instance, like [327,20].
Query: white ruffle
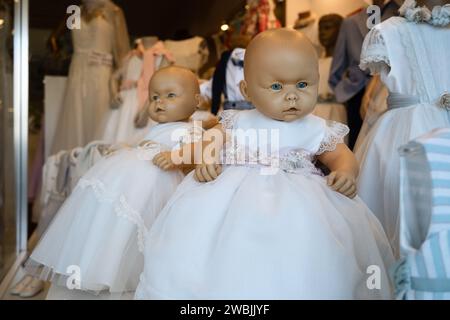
[334,135]
[121,207]
[441,15]
[374,54]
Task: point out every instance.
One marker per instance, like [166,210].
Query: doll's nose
[291,97]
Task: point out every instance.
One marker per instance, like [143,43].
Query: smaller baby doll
[102,225]
[264,223]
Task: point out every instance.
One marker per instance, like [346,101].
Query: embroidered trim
[226,118]
[121,207]
[290,161]
[374,54]
[411,55]
[334,135]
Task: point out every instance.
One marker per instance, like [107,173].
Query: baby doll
[101,227]
[274,227]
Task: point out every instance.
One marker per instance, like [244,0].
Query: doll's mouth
[291,110]
[159,110]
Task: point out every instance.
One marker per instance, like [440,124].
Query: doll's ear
[244,89]
[198,101]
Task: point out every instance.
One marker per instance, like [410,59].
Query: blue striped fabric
[425,266]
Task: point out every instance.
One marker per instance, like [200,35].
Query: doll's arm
[210,123]
[209,169]
[201,155]
[344,170]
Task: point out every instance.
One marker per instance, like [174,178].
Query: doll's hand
[207,172]
[163,160]
[342,182]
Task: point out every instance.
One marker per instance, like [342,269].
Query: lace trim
[226,118]
[374,54]
[290,161]
[121,207]
[147,149]
[334,135]
[440,16]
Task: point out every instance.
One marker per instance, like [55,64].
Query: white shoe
[33,288]
[21,285]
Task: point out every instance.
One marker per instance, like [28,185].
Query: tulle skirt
[97,236]
[252,236]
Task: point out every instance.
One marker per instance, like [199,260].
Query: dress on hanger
[60,174]
[298,240]
[191,53]
[99,46]
[412,60]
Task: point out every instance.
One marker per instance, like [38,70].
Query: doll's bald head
[281,74]
[174,94]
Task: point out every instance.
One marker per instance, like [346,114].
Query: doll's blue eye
[171,95]
[302,85]
[154,98]
[276,86]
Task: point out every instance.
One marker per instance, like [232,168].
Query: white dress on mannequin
[87,96]
[413,62]
[254,233]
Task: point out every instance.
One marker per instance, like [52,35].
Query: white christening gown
[254,233]
[413,62]
[100,228]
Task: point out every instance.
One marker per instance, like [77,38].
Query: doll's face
[281,74]
[173,95]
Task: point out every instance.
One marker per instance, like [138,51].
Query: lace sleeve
[334,134]
[226,118]
[374,55]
